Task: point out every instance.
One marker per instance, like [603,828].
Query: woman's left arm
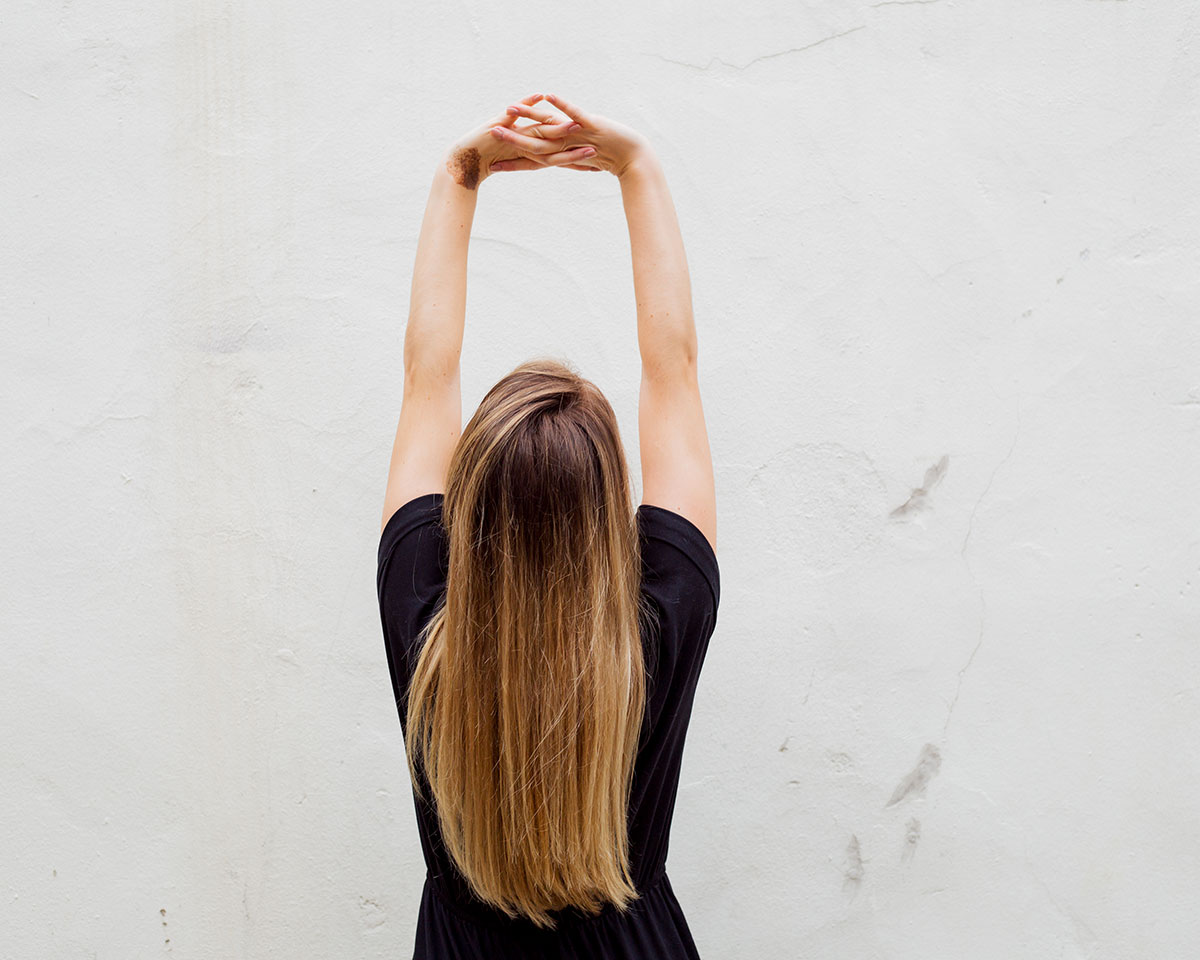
[431,408]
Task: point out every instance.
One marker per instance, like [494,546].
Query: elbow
[429,348]
[677,362]
[429,360]
[691,348]
[430,369]
[684,349]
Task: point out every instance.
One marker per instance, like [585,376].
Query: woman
[544,638]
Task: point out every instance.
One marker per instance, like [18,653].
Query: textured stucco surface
[944,257]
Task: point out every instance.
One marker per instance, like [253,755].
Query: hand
[617,145]
[499,145]
[548,126]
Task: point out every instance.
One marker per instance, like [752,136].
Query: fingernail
[498,131]
[589,151]
[512,110]
[574,126]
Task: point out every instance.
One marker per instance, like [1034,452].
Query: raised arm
[431,409]
[677,470]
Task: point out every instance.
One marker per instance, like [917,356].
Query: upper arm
[677,471]
[429,427]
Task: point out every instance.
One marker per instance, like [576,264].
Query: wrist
[466,165]
[641,162]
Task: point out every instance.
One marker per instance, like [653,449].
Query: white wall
[939,245]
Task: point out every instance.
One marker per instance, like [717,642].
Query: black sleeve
[681,576]
[413,563]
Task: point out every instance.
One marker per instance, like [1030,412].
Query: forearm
[661,283]
[438,303]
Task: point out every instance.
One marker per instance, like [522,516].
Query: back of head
[526,702]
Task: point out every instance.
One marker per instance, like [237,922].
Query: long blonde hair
[527,698]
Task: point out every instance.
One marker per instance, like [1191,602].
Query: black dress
[680,575]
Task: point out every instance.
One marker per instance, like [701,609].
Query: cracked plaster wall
[944,264]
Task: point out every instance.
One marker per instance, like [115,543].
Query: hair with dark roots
[527,698]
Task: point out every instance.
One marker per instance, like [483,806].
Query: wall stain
[919,498]
[840,761]
[927,766]
[912,836]
[854,866]
[373,914]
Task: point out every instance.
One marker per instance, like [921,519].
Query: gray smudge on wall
[912,836]
[918,499]
[854,866]
[927,765]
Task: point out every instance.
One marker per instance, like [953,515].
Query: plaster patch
[826,503]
